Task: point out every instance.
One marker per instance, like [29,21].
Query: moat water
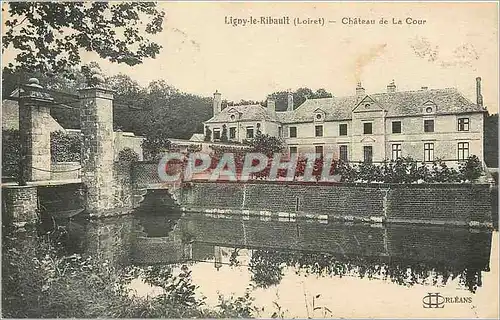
[301,268]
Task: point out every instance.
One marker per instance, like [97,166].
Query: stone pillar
[20,204]
[34,113]
[96,120]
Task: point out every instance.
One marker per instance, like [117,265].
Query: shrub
[41,281]
[154,144]
[472,169]
[128,155]
[223,137]
[194,148]
[266,144]
[208,134]
[65,147]
[10,153]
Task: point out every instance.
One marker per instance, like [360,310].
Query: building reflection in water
[403,254]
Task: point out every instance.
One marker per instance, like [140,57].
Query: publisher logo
[437,301]
[433,300]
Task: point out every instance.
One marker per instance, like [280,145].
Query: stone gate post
[96,120]
[34,113]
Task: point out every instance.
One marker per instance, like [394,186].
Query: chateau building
[425,124]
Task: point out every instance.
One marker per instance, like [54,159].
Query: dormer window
[319,115]
[429,108]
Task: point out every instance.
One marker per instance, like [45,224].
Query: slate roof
[200,137]
[251,112]
[405,103]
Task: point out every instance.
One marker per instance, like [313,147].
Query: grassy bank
[40,280]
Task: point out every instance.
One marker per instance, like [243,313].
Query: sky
[201,53]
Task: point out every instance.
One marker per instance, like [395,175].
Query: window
[396,127]
[293,150]
[318,131]
[343,153]
[428,109]
[216,134]
[318,116]
[428,152]
[233,117]
[319,149]
[463,151]
[368,154]
[428,125]
[280,132]
[232,133]
[367,128]
[396,151]
[343,129]
[293,132]
[249,132]
[463,124]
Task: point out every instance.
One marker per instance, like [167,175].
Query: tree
[208,134]
[322,93]
[491,140]
[299,96]
[155,144]
[129,102]
[267,144]
[48,36]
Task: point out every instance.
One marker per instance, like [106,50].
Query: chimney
[217,102]
[424,88]
[271,105]
[391,87]
[360,92]
[479,96]
[290,101]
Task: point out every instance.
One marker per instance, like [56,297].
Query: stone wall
[121,140]
[36,138]
[122,186]
[97,149]
[65,170]
[19,204]
[459,204]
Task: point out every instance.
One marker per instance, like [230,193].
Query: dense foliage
[50,36]
[10,153]
[491,140]
[40,279]
[267,268]
[403,170]
[266,144]
[299,96]
[154,145]
[128,155]
[65,147]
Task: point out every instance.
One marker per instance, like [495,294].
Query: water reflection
[402,254]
